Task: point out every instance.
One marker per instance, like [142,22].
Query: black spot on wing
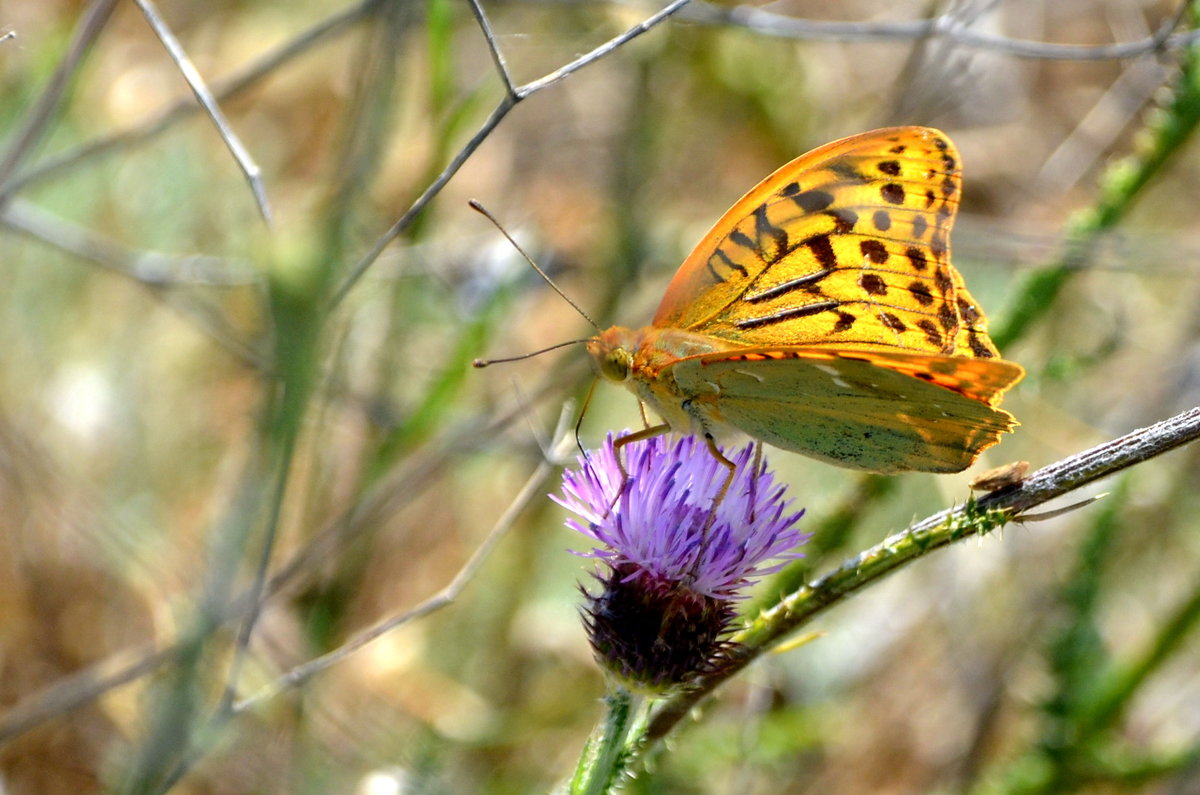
[874,250]
[812,201]
[941,280]
[892,192]
[848,172]
[977,347]
[742,239]
[931,331]
[822,249]
[843,220]
[873,284]
[917,257]
[969,312]
[920,291]
[722,267]
[948,318]
[892,322]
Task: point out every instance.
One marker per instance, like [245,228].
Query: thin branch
[204,96]
[532,488]
[603,50]
[943,27]
[511,98]
[757,20]
[94,20]
[283,477]
[228,709]
[72,692]
[168,117]
[939,530]
[158,274]
[426,196]
[151,269]
[76,690]
[1092,135]
[489,36]
[1163,34]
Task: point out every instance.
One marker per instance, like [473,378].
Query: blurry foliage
[176,374]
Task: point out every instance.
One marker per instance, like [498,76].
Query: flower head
[675,560]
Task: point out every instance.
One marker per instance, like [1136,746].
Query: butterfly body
[822,315]
[641,359]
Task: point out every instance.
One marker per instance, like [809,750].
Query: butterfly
[822,315]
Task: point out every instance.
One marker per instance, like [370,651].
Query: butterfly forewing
[848,244]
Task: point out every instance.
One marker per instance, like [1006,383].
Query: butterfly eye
[616,364]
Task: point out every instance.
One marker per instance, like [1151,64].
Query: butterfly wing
[848,244]
[855,408]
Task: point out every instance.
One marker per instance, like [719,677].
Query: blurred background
[184,384]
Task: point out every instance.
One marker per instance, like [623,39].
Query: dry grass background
[146,331]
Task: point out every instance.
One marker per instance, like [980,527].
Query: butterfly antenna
[488,362]
[479,208]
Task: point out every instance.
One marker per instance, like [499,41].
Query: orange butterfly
[822,315]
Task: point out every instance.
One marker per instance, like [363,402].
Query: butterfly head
[612,353]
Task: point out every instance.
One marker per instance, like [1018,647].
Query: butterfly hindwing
[849,408]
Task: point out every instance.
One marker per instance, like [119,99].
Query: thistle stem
[604,757]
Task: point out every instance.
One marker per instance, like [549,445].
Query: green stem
[604,757]
[1109,704]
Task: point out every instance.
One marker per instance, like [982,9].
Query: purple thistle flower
[674,564]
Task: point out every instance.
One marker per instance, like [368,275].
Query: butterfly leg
[645,419]
[725,462]
[587,401]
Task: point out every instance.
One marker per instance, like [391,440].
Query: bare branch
[603,50]
[76,690]
[768,23]
[191,74]
[489,36]
[509,101]
[148,268]
[94,20]
[532,488]
[224,89]
[159,274]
